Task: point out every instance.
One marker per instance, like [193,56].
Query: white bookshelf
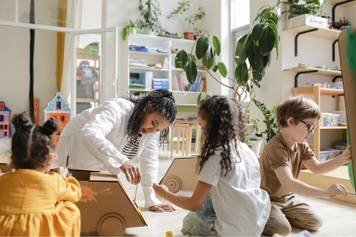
[160,64]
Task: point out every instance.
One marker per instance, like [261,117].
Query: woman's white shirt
[94,139]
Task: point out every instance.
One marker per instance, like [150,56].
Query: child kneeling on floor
[281,162]
[228,199]
[32,201]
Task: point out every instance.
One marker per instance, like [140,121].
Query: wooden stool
[182,132]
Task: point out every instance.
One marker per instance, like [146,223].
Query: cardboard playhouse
[347,49]
[105,207]
[181,175]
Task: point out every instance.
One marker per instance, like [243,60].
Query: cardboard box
[105,207]
[181,175]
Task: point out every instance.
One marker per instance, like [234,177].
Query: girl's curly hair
[225,123]
[160,101]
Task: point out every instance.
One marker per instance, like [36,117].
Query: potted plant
[269,119]
[182,8]
[149,12]
[252,55]
[308,12]
[129,28]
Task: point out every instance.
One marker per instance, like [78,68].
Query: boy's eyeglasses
[310,127]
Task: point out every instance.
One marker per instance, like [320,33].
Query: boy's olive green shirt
[277,154]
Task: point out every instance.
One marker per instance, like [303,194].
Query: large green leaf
[181,59]
[208,59]
[267,41]
[241,74]
[255,58]
[242,46]
[257,32]
[222,69]
[202,46]
[216,45]
[191,71]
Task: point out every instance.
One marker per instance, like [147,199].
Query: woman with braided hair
[227,200]
[117,132]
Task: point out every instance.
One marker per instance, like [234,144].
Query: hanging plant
[252,55]
[149,12]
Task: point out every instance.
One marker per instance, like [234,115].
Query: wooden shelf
[324,33]
[86,100]
[334,128]
[333,2]
[320,71]
[148,53]
[181,70]
[185,92]
[148,69]
[311,90]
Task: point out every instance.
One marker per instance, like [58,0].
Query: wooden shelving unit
[319,32]
[316,92]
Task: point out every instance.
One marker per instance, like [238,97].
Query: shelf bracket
[335,6]
[335,78]
[300,73]
[296,39]
[333,48]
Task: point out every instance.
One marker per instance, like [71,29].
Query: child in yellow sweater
[34,202]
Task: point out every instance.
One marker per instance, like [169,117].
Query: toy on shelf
[105,207]
[181,175]
[5,115]
[58,108]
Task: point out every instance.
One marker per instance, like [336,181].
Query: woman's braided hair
[225,123]
[160,101]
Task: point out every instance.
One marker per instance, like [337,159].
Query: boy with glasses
[281,162]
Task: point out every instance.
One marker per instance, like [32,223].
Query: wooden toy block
[105,207]
[181,175]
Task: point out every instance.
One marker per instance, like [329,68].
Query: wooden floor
[339,218]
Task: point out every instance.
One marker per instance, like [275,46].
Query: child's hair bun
[22,121]
[49,127]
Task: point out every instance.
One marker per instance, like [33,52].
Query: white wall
[14,65]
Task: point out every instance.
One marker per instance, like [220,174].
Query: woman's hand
[132,173]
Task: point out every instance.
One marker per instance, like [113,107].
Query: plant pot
[189,35]
[307,19]
[147,31]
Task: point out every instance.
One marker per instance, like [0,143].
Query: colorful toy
[105,207]
[181,175]
[58,108]
[5,115]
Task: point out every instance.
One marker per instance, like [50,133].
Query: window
[5,126]
[1,118]
[240,13]
[1,127]
[58,105]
